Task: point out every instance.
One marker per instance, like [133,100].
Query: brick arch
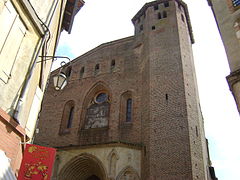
[128,173]
[83,166]
[89,97]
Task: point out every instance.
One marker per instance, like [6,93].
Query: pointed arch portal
[83,167]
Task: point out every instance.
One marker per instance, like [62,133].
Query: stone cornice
[110,144]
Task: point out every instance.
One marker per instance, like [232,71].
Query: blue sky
[102,21]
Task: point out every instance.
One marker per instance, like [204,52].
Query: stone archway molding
[82,167]
[128,173]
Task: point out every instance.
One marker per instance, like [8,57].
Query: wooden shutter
[11,39]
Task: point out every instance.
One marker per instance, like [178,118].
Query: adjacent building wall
[29,30]
[227,16]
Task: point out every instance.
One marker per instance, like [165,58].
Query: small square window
[164,14]
[182,18]
[153,27]
[141,28]
[166,4]
[155,7]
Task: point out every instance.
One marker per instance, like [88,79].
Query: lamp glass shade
[59,81]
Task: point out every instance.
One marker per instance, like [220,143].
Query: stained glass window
[102,97]
[129,110]
[70,118]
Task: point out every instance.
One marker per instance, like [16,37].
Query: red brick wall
[11,136]
[156,66]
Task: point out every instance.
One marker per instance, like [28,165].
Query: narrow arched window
[68,71]
[182,18]
[97,67]
[141,28]
[166,4]
[159,16]
[70,117]
[129,110]
[67,118]
[164,14]
[82,72]
[113,64]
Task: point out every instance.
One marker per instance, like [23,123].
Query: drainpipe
[18,109]
[20,102]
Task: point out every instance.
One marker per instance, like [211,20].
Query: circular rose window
[101,97]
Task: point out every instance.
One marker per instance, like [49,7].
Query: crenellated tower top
[146,17]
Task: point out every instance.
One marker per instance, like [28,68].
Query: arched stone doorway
[93,178]
[83,167]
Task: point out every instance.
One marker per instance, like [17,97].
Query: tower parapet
[147,18]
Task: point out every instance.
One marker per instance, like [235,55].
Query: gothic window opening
[159,16]
[97,67]
[101,98]
[129,110]
[97,114]
[113,64]
[196,131]
[68,72]
[126,108]
[166,96]
[155,7]
[179,6]
[82,72]
[70,118]
[182,18]
[67,118]
[164,14]
[113,158]
[141,28]
[166,4]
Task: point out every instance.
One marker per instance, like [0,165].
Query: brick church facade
[131,109]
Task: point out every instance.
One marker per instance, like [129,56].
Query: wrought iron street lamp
[60,79]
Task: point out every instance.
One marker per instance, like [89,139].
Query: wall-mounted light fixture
[60,79]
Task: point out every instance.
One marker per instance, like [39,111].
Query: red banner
[37,163]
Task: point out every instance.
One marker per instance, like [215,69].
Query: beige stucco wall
[235,91]
[11,87]
[226,18]
[128,157]
[33,89]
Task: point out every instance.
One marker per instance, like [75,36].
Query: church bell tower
[131,108]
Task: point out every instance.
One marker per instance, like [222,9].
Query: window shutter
[11,41]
